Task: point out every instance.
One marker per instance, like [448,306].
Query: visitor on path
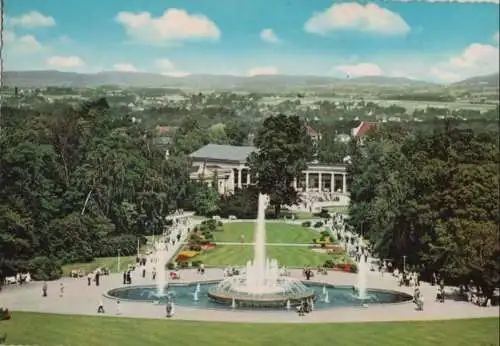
[143,272]
[89,279]
[100,308]
[61,290]
[97,275]
[44,289]
[202,269]
[154,273]
[118,309]
[125,278]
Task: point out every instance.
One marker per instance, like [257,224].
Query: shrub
[314,240]
[44,269]
[184,264]
[324,214]
[4,315]
[354,268]
[323,245]
[306,224]
[170,266]
[324,234]
[195,247]
[318,224]
[331,239]
[196,264]
[328,264]
[220,224]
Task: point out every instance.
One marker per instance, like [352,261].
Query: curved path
[83,300]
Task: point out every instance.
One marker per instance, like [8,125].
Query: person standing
[61,290]
[89,279]
[44,289]
[118,309]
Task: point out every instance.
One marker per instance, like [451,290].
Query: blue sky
[427,40]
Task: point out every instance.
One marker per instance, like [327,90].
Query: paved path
[83,300]
[267,244]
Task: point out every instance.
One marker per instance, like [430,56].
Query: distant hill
[490,80]
[139,79]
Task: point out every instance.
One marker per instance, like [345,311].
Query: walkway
[82,299]
[267,244]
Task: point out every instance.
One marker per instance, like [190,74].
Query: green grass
[276,232]
[291,256]
[107,262]
[51,330]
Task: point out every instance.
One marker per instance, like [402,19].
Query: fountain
[162,258]
[362,279]
[195,296]
[261,285]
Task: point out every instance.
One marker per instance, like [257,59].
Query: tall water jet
[362,278]
[261,285]
[162,258]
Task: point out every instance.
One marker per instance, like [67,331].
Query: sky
[434,40]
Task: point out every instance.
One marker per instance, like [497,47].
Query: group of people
[305,307]
[308,273]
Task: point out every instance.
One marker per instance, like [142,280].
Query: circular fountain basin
[184,295]
[236,290]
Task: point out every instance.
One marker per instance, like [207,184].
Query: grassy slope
[107,262]
[291,256]
[276,232]
[48,329]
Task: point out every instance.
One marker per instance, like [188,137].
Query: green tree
[284,149]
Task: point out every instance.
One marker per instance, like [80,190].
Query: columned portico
[229,165]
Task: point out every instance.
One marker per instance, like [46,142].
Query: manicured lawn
[48,329]
[291,256]
[107,262]
[276,232]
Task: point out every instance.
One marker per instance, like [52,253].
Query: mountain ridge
[42,78]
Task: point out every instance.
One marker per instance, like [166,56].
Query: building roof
[310,131]
[228,153]
[363,128]
[165,130]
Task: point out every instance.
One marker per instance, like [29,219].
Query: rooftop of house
[363,128]
[165,130]
[218,152]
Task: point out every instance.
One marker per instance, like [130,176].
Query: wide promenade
[81,299]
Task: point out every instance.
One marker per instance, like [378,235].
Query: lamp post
[118,260]
[404,264]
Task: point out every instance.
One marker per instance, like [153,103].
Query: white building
[227,166]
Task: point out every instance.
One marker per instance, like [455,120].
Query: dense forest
[431,198]
[77,184]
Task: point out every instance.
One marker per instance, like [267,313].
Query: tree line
[430,200]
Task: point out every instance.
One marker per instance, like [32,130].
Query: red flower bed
[208,246]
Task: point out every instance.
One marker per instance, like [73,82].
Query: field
[49,329]
[290,256]
[276,232]
[107,262]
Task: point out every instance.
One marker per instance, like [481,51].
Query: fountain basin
[339,296]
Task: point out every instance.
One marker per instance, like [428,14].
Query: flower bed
[186,255]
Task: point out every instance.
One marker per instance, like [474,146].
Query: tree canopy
[432,198]
[78,183]
[284,149]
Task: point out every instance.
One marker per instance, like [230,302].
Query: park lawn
[290,256]
[51,329]
[276,232]
[107,262]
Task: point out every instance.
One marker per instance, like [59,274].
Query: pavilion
[226,165]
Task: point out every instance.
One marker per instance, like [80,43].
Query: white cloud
[24,43]
[173,26]
[477,59]
[452,1]
[357,17]
[269,36]
[65,62]
[359,70]
[124,67]
[32,19]
[167,68]
[496,37]
[261,71]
